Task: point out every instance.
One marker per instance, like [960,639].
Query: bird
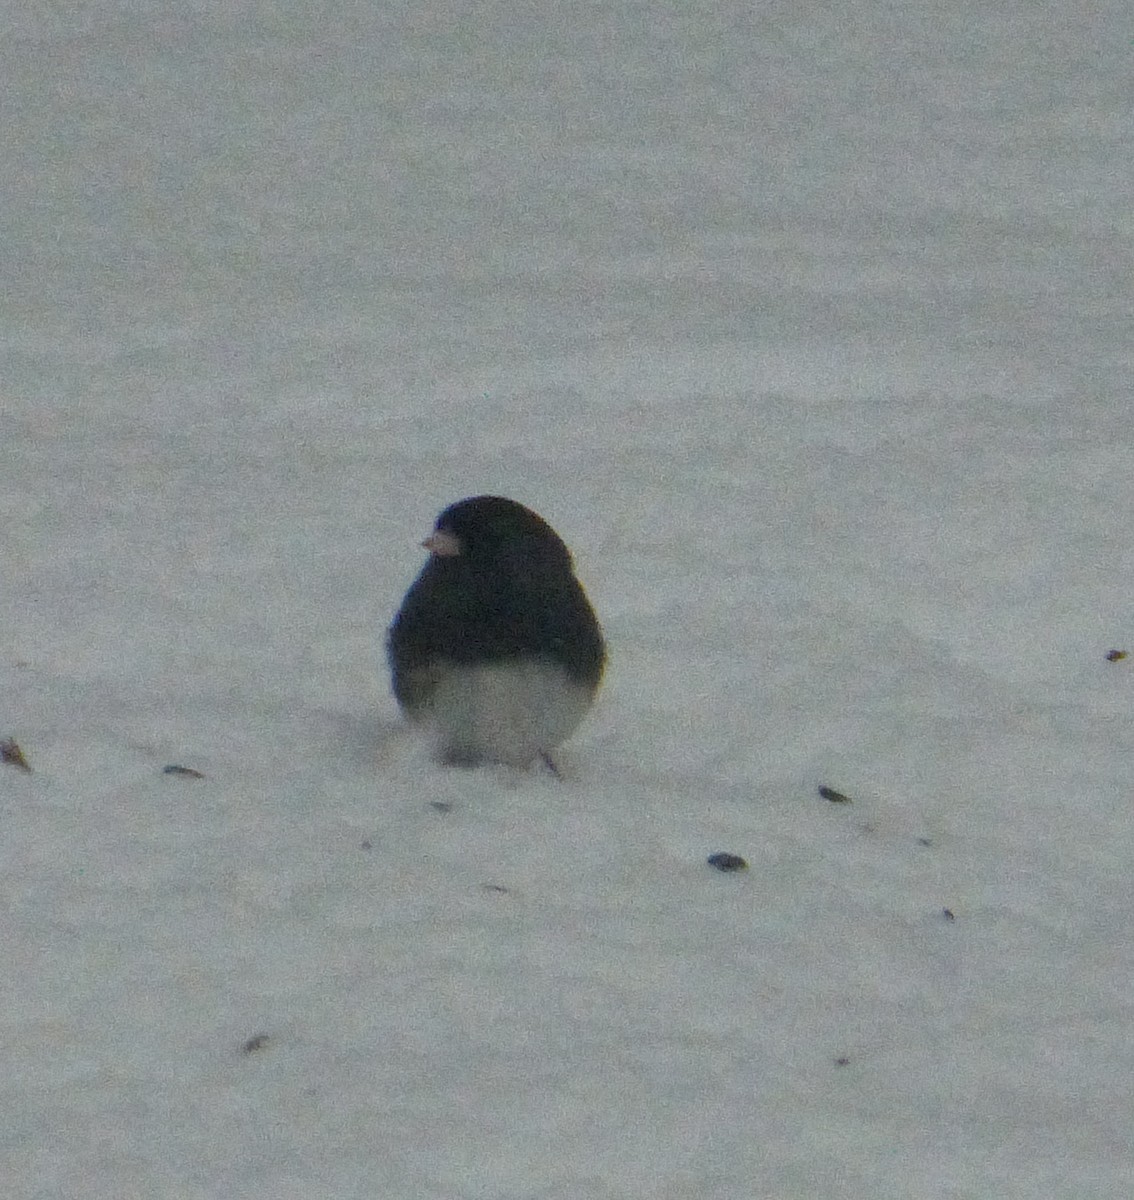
[495,649]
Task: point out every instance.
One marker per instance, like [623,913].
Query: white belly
[510,712]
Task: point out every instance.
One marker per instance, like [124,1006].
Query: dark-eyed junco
[495,649]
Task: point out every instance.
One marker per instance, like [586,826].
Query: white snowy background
[808,326]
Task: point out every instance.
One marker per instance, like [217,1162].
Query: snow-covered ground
[809,328]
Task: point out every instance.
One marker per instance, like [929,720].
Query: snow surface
[808,326]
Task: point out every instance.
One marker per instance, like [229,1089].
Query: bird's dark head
[492,530]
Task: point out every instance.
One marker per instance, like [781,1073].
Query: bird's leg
[549,763]
[456,756]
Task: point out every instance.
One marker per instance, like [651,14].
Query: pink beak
[447,545]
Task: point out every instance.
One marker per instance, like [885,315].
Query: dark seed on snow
[727,862]
[948,914]
[829,793]
[1117,655]
[11,754]
[258,1041]
[182,772]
